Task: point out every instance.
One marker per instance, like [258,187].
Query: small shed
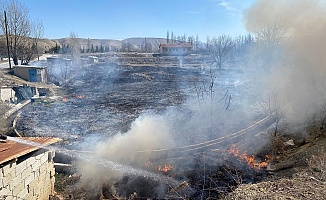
[27,171]
[175,49]
[92,59]
[7,94]
[31,73]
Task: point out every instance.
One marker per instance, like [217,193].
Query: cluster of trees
[263,46]
[90,48]
[144,47]
[97,49]
[23,33]
[194,41]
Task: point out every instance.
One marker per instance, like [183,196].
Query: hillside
[152,43]
[136,44]
[84,42]
[129,44]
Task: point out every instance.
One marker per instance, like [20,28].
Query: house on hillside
[174,49]
[26,171]
[31,73]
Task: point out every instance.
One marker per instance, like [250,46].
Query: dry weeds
[301,186]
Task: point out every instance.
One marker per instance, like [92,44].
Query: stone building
[26,171]
[31,73]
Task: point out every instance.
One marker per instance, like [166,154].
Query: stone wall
[29,177]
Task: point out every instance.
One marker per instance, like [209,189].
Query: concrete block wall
[7,94]
[28,177]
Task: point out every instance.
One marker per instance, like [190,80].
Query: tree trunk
[15,59]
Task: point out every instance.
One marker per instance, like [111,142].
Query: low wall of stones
[29,177]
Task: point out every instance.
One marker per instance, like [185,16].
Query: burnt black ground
[105,98]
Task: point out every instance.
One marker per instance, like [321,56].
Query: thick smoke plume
[133,148]
[299,74]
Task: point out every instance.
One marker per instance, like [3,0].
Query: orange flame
[165,168]
[250,160]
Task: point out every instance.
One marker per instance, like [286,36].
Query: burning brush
[164,168]
[250,160]
[160,168]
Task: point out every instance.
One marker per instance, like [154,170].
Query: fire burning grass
[250,160]
[160,167]
[164,168]
[65,99]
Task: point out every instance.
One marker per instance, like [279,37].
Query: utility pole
[6,27]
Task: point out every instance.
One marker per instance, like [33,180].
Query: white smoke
[298,77]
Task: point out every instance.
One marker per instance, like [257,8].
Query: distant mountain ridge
[129,44]
[133,44]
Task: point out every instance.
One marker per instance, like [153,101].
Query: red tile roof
[10,150]
[175,45]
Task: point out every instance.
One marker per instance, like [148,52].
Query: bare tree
[220,49]
[37,34]
[18,26]
[196,44]
[65,72]
[3,45]
[191,40]
[271,34]
[274,109]
[30,46]
[23,33]
[74,48]
[270,38]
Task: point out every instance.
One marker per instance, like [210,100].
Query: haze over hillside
[132,44]
[137,44]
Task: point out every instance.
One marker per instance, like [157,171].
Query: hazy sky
[120,19]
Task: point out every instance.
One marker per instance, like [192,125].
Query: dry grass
[301,186]
[317,165]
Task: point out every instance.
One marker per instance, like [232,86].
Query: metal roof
[175,45]
[10,150]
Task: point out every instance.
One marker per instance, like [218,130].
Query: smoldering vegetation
[181,122]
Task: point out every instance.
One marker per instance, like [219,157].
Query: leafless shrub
[277,146]
[317,165]
[274,109]
[220,49]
